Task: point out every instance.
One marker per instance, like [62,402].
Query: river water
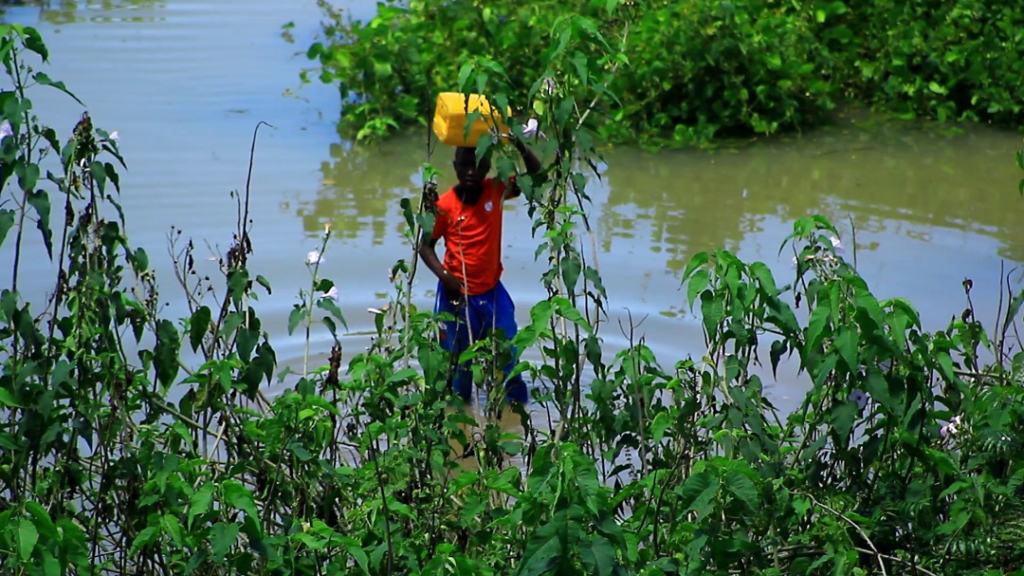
[184,82]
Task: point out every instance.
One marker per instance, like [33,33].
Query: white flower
[332,293]
[5,130]
[860,397]
[548,86]
[836,244]
[374,310]
[951,429]
[114,136]
[314,257]
[532,128]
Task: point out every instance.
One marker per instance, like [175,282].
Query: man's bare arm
[428,254]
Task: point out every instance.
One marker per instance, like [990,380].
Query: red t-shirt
[472,235]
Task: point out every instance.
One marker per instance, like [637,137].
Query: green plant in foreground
[136,444]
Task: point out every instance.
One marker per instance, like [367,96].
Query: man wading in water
[469,218]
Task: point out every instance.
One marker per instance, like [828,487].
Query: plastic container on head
[452,113]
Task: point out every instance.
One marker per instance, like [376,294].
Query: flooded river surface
[184,82]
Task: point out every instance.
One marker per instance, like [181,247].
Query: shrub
[692,71]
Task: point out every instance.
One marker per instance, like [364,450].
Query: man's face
[467,170]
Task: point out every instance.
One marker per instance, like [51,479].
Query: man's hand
[452,287]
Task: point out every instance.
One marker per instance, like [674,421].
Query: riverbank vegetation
[134,443]
[693,71]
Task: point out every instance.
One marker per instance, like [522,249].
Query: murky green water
[185,82]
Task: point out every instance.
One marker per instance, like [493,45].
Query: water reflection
[890,178]
[680,202]
[63,12]
[361,188]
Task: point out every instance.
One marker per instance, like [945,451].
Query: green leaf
[331,327]
[846,344]
[99,175]
[168,344]
[238,496]
[764,277]
[34,42]
[843,415]
[27,537]
[7,399]
[146,536]
[699,259]
[571,268]
[248,337]
[238,283]
[45,80]
[742,488]
[713,310]
[426,222]
[698,491]
[111,173]
[331,306]
[360,556]
[779,347]
[544,548]
[198,326]
[140,260]
[464,73]
[231,323]
[223,537]
[878,388]
[51,567]
[201,501]
[298,314]
[504,484]
[598,556]
[402,375]
[815,326]
[406,205]
[945,363]
[43,521]
[483,146]
[40,201]
[661,423]
[594,277]
[582,70]
[172,527]
[28,176]
[264,282]
[6,223]
[697,284]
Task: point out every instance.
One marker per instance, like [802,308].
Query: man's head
[468,171]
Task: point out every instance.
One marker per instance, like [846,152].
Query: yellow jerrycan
[452,114]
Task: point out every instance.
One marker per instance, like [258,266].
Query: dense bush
[692,70]
[947,60]
[120,456]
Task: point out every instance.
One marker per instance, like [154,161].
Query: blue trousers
[492,311]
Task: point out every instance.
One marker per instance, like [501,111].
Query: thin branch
[874,550]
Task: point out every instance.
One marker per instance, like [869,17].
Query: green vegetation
[138,444]
[695,70]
